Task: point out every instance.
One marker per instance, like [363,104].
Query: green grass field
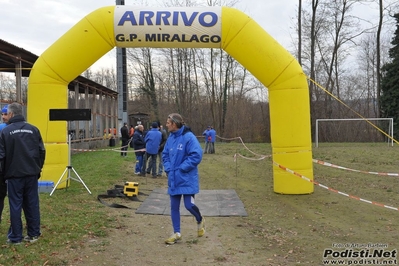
[282,229]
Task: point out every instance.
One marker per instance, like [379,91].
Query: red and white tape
[334,190]
[353,170]
[262,157]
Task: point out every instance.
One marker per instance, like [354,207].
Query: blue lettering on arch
[167,18]
[162,16]
[127,16]
[175,18]
[146,16]
[186,21]
[202,21]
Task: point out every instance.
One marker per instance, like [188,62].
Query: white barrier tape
[242,142]
[84,150]
[334,190]
[261,155]
[116,150]
[252,159]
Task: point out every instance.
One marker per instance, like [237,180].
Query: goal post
[390,126]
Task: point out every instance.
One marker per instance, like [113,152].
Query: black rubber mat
[210,203]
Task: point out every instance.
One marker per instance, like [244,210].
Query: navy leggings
[175,209]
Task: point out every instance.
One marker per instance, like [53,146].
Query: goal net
[354,130]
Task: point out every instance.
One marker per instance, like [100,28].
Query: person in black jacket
[163,141]
[22,156]
[125,139]
[139,148]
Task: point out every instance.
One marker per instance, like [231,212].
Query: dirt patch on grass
[279,229]
[139,238]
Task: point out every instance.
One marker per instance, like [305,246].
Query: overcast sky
[36,24]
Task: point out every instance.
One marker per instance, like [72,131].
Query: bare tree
[378,48]
[143,76]
[7,88]
[300,32]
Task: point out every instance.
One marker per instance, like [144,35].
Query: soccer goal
[342,128]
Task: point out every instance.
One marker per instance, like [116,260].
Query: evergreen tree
[390,83]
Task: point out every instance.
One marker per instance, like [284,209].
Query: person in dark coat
[21,170]
[161,146]
[125,139]
[139,148]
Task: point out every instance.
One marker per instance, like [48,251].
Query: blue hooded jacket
[181,157]
[153,140]
[212,133]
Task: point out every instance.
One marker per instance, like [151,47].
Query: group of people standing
[148,146]
[154,140]
[210,138]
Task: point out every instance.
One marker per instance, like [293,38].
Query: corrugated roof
[10,55]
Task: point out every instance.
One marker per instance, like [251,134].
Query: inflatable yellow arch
[179,27]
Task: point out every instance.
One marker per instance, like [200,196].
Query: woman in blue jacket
[181,156]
